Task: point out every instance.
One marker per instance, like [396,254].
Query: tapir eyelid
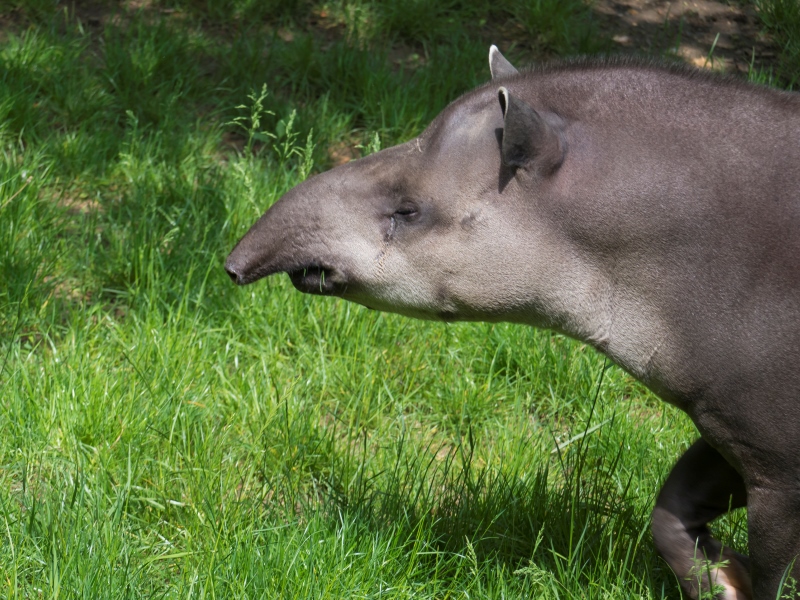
[407,211]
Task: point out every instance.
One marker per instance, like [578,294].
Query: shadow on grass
[574,523]
[708,34]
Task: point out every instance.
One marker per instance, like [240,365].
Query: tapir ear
[498,64]
[528,139]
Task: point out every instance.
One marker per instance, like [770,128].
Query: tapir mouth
[315,279]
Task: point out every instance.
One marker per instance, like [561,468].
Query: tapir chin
[650,211]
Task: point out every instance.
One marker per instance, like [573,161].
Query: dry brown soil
[689,29]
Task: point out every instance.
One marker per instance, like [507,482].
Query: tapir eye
[407,211]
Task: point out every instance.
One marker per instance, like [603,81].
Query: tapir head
[436,228]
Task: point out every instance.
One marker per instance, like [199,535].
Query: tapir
[651,211]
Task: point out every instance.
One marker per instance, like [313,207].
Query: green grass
[166,434]
[782,20]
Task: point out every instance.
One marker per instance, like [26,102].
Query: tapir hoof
[734,579]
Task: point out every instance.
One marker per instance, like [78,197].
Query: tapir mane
[566,68]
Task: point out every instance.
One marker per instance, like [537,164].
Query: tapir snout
[293,240]
[652,212]
[252,259]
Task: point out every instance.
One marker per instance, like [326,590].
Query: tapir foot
[701,487]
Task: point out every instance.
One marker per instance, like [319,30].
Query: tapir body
[650,211]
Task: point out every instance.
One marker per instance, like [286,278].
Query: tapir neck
[589,297]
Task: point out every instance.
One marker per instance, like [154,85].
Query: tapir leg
[701,487]
[774,538]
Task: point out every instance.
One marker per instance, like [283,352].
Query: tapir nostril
[232,274]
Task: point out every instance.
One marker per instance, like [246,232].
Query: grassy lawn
[166,434]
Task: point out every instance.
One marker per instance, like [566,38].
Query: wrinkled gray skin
[651,212]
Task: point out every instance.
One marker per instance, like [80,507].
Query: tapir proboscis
[650,211]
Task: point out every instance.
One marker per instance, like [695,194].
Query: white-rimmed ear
[498,64]
[528,139]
